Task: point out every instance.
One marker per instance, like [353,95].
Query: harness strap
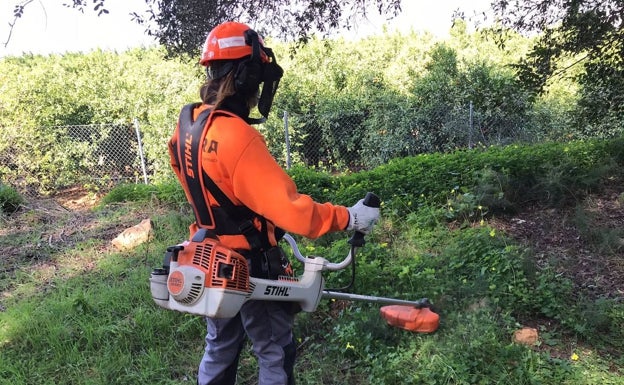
[228,218]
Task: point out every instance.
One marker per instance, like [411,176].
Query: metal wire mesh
[100,156]
[94,156]
[354,140]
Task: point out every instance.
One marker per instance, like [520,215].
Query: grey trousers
[269,327]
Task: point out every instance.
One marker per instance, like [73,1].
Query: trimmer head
[419,320]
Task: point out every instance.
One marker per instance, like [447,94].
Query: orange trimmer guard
[419,320]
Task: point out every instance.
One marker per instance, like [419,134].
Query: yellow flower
[492,233]
[574,357]
[349,346]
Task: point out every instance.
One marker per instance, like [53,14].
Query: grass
[80,312]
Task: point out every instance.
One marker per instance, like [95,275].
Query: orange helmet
[229,41]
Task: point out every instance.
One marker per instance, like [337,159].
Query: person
[240,193]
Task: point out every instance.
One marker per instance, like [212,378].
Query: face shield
[272,73]
[261,69]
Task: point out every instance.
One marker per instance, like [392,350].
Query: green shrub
[170,193]
[10,199]
[319,185]
[501,178]
[130,192]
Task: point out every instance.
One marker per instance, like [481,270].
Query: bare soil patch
[584,242]
[33,237]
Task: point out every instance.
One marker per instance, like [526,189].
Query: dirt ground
[43,227]
[584,242]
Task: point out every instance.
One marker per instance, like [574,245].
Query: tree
[591,28]
[80,5]
[589,31]
[181,25]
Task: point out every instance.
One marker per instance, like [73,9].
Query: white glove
[362,218]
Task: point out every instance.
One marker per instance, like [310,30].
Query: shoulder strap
[228,218]
[189,140]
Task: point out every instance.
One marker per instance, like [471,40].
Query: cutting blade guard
[414,319]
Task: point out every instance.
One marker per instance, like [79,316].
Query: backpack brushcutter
[204,278]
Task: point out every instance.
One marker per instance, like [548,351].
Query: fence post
[138,134]
[470,128]
[287,140]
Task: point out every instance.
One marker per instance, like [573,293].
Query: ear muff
[250,72]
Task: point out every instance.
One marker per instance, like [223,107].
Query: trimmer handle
[370,200]
[357,240]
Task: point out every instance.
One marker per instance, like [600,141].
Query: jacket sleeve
[263,186]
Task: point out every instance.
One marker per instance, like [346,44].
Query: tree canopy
[572,33]
[182,25]
[576,38]
[591,29]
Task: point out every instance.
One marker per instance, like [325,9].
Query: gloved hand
[362,218]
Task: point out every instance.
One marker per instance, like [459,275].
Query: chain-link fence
[356,140]
[100,156]
[46,160]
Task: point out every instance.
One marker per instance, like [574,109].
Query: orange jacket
[236,158]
